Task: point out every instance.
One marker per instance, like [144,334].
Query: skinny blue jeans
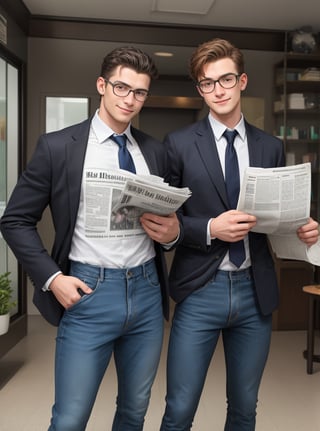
[225,305]
[123,317]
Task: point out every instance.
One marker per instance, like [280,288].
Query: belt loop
[101,275]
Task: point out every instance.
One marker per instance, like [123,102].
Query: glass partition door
[3,158]
[9,158]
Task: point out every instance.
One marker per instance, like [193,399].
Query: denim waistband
[102,272]
[235,275]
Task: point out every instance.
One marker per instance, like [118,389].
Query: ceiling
[283,15]
[270,15]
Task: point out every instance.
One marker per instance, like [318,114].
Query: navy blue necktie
[232,179]
[125,159]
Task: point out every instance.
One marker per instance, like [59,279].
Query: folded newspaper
[151,194]
[280,199]
[113,201]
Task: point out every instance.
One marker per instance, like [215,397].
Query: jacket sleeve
[26,205]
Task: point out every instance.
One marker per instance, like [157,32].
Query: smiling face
[224,104]
[116,111]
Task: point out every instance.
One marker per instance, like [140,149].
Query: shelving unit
[297,123]
[297,114]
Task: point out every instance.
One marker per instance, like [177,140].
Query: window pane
[65,111]
[9,126]
[3,158]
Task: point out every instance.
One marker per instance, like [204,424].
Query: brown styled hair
[128,56]
[213,50]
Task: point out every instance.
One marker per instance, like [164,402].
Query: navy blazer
[194,163]
[53,178]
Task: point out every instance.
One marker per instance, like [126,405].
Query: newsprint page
[115,200]
[280,199]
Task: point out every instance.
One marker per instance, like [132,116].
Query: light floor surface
[289,398]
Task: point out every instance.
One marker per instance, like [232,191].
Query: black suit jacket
[194,162]
[53,178]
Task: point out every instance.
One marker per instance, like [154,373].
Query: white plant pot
[4,323]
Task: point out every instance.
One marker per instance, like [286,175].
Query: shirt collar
[218,128]
[103,131]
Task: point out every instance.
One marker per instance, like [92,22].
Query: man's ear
[199,91]
[243,81]
[101,85]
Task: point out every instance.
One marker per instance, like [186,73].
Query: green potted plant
[6,303]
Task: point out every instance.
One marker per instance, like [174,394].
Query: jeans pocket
[91,281]
[152,277]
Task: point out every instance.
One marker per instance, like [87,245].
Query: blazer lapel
[149,155]
[75,155]
[207,148]
[255,147]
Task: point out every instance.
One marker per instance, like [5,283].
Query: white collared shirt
[108,252]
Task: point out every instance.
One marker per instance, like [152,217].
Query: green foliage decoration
[6,304]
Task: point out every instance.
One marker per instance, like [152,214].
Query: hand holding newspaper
[280,199]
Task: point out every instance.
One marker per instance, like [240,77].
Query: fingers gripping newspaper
[280,199]
[115,200]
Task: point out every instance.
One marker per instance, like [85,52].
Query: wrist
[212,232]
[53,281]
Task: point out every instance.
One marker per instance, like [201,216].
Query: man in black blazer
[107,289]
[213,294]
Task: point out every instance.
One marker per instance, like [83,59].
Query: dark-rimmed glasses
[227,81]
[123,90]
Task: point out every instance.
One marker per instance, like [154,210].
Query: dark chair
[313,291]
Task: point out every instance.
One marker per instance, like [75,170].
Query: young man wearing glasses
[106,289]
[222,276]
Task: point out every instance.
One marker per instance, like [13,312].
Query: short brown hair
[128,56]
[213,50]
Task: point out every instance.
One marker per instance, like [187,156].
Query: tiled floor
[289,398]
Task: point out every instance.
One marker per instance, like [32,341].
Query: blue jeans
[123,317]
[228,305]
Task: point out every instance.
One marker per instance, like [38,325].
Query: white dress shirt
[107,251]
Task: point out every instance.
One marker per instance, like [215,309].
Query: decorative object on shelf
[312,101]
[310,74]
[6,303]
[303,40]
[296,101]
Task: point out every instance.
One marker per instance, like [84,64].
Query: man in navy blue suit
[105,286]
[222,277]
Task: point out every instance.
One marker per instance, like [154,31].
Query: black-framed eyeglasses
[227,81]
[123,90]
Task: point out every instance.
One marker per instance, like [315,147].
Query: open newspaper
[115,199]
[280,199]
